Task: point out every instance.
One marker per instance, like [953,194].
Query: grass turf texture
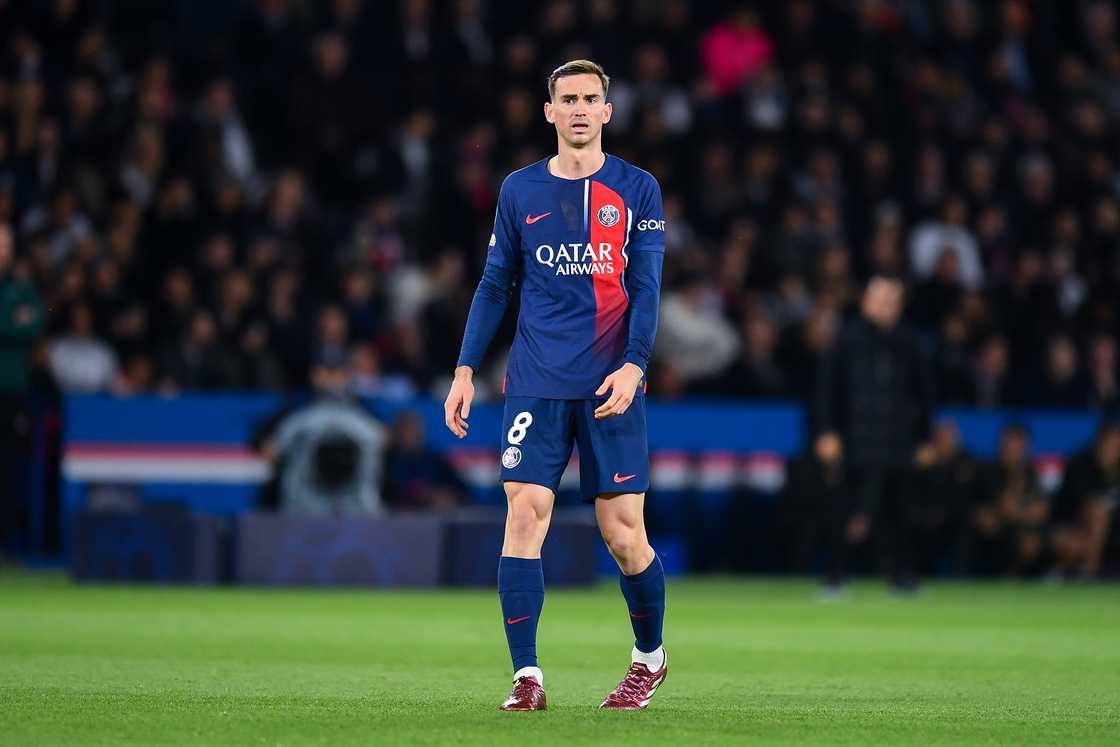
[751,661]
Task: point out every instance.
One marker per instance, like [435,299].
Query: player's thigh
[621,513]
[530,497]
[536,442]
[613,452]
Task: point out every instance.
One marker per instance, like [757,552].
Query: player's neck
[573,163]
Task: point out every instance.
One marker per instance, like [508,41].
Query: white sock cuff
[654,660]
[534,672]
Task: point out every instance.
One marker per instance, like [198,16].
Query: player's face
[579,109]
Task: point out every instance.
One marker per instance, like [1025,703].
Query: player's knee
[626,543]
[524,520]
[521,519]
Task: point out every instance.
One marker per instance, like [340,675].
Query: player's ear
[608,109]
[548,112]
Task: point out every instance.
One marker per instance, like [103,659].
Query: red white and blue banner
[196,451]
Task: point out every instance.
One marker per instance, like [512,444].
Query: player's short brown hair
[578,67]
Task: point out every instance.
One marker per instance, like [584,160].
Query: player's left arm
[646,253]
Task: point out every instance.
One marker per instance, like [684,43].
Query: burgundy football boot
[637,687]
[527,695]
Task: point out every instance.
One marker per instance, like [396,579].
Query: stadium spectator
[809,342]
[940,294]
[992,385]
[224,130]
[417,476]
[288,329]
[330,453]
[261,368]
[734,50]
[1104,378]
[932,240]
[333,337]
[1010,518]
[948,480]
[818,513]
[448,300]
[952,360]
[873,408]
[21,319]
[361,302]
[199,359]
[756,373]
[1085,505]
[366,379]
[693,335]
[80,361]
[1061,383]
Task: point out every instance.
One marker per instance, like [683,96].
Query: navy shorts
[537,438]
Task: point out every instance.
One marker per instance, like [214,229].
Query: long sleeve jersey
[586,255]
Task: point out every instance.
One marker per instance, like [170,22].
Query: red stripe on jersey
[610,297]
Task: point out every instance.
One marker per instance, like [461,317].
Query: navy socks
[645,596]
[521,589]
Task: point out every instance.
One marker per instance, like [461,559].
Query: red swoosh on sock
[636,616]
[511,621]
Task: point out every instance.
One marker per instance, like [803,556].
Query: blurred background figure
[1010,516]
[819,515]
[945,492]
[21,320]
[80,362]
[1085,507]
[873,409]
[330,453]
[417,476]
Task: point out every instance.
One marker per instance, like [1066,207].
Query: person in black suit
[873,405]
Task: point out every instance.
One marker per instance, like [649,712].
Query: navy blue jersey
[573,246]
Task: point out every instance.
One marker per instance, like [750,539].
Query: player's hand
[457,406]
[623,384]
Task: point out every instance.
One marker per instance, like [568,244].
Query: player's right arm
[491,298]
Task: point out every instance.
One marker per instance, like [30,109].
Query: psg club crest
[608,215]
[511,457]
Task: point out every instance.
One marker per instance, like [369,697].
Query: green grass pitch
[752,662]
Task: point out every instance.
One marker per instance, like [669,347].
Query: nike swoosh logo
[624,478]
[511,621]
[531,219]
[636,616]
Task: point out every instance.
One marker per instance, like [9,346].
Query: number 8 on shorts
[521,424]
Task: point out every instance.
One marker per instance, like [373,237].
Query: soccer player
[582,235]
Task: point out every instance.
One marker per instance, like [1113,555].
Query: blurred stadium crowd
[209,195]
[202,195]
